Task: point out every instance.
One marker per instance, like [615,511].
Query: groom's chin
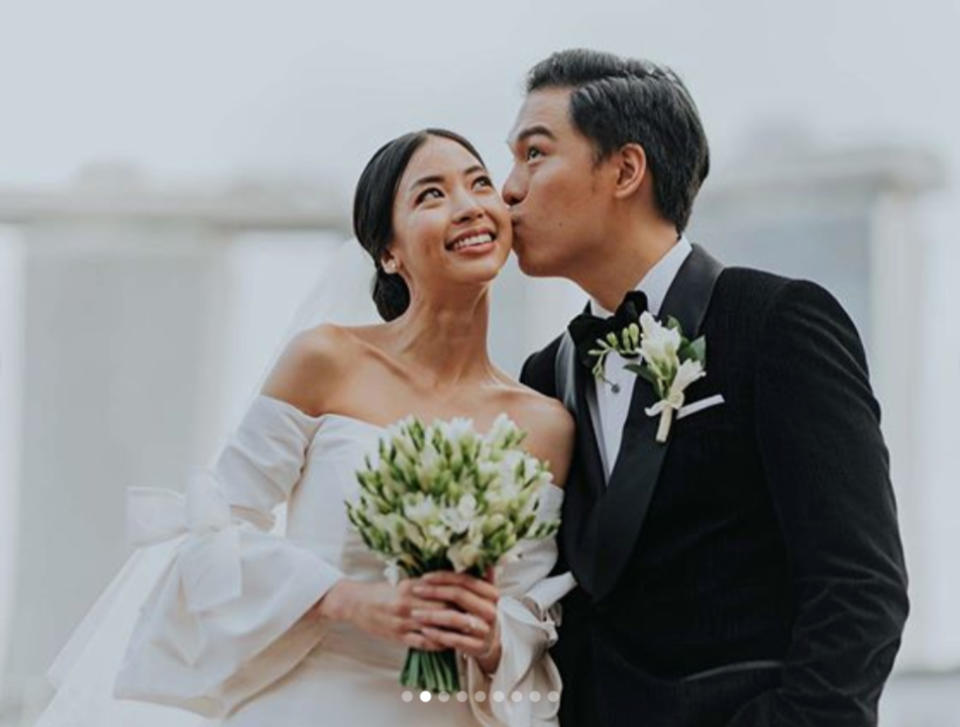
[528,265]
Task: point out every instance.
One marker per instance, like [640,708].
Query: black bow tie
[585,329]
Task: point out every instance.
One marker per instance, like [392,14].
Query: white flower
[463,555]
[439,535]
[392,526]
[690,370]
[658,344]
[421,510]
[456,430]
[458,518]
[501,431]
[428,464]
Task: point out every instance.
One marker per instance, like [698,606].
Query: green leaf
[674,324]
[643,372]
[698,350]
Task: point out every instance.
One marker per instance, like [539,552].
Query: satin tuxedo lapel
[583,492]
[609,533]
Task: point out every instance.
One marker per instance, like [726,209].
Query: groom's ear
[631,162]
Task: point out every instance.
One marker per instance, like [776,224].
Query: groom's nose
[515,188]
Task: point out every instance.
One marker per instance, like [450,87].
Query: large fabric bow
[209,559]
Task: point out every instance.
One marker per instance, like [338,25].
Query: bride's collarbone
[384,401]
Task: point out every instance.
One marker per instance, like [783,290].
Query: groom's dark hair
[616,101]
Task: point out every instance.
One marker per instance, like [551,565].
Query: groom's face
[557,191]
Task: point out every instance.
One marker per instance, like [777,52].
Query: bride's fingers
[464,598]
[453,620]
[417,640]
[423,603]
[453,640]
[483,588]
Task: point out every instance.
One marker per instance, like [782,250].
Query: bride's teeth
[474,240]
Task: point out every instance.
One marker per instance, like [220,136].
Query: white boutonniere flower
[670,362]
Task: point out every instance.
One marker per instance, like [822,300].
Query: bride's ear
[631,170]
[389,262]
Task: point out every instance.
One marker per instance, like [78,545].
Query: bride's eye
[534,153]
[483,181]
[427,192]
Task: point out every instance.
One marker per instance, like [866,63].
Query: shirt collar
[656,282]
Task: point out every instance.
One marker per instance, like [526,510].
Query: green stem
[435,671]
[430,672]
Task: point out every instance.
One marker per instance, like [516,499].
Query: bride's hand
[380,609]
[467,621]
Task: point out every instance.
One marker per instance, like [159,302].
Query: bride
[248,628]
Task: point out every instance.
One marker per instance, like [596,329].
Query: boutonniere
[670,362]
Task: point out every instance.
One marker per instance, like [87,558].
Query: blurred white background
[173,176]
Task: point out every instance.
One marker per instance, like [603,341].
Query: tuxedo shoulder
[538,370]
[749,284]
[770,290]
[769,304]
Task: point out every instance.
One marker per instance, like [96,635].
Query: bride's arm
[227,616]
[238,606]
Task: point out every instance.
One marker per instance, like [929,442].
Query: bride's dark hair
[373,211]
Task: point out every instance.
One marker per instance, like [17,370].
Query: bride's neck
[445,340]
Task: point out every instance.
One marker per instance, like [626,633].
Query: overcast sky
[188,87]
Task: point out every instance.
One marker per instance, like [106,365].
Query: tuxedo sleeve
[826,465]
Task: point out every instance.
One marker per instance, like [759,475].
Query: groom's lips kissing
[479,241]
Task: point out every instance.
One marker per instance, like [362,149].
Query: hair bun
[390,294]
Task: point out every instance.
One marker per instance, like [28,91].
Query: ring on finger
[475,625]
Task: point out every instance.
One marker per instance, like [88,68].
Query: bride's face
[451,227]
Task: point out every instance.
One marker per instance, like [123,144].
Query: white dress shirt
[608,410]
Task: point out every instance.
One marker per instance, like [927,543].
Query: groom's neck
[623,258]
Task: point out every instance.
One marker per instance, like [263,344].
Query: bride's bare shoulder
[314,365]
[550,428]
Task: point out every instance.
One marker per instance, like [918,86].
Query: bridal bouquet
[443,497]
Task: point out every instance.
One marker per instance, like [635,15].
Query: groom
[747,569]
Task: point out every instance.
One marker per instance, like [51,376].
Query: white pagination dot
[443,697]
[516,696]
[534,697]
[407,696]
[553,696]
[425,696]
[480,696]
[462,696]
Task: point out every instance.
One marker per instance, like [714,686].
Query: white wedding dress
[206,625]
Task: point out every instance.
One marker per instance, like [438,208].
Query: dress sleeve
[525,688]
[228,616]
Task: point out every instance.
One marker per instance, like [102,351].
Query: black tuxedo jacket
[748,571]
